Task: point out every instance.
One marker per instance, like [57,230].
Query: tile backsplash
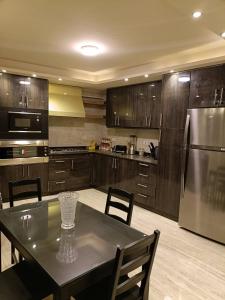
[77,131]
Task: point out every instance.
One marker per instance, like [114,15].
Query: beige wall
[76,131]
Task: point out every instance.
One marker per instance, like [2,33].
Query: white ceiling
[145,36]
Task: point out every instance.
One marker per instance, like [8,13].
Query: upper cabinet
[23,92]
[207,87]
[136,106]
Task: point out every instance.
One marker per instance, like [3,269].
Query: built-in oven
[14,152]
[20,124]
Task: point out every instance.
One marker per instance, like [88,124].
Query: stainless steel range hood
[65,101]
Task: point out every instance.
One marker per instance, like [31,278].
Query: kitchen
[156,131]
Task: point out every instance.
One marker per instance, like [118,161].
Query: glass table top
[66,254]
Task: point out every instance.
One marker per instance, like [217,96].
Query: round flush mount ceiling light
[90,50]
[197,14]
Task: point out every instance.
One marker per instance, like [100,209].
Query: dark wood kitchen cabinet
[21,172]
[175,97]
[68,172]
[135,106]
[207,87]
[15,93]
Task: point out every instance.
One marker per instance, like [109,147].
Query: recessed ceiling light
[60,79]
[197,14]
[90,50]
[146,75]
[223,35]
[4,71]
[126,79]
[34,75]
[65,93]
[171,71]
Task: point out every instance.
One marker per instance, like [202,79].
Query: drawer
[56,186]
[60,164]
[143,199]
[143,168]
[145,189]
[146,179]
[57,175]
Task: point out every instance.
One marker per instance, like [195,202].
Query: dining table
[72,259]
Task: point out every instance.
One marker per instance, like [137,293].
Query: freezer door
[207,127]
[202,207]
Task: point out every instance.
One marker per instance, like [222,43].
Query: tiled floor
[187,266]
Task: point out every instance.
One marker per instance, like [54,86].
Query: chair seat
[23,282]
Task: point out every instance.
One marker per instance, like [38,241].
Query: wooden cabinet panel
[13,93]
[207,87]
[175,97]
[169,182]
[135,106]
[20,172]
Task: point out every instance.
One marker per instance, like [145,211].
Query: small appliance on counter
[132,144]
[120,149]
[106,144]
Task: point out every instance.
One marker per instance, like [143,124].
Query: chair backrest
[128,209]
[136,255]
[34,191]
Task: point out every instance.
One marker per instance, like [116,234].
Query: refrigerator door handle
[187,124]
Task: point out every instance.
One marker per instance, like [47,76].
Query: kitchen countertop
[144,159]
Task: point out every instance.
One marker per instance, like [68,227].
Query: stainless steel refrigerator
[202,206]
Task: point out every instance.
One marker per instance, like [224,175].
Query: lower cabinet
[69,172]
[21,172]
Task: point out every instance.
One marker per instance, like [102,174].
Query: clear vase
[68,202]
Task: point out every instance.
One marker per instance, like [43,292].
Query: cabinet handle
[118,121]
[150,120]
[60,161]
[58,172]
[143,196]
[72,164]
[144,165]
[142,185]
[60,182]
[146,121]
[26,99]
[113,163]
[23,172]
[28,171]
[143,175]
[160,134]
[221,96]
[216,93]
[48,186]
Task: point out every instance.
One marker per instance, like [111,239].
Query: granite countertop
[144,159]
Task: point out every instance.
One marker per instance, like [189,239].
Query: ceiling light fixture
[146,75]
[184,79]
[4,71]
[34,75]
[197,14]
[223,35]
[59,79]
[126,79]
[171,71]
[90,50]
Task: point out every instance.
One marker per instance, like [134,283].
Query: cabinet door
[7,174]
[112,107]
[38,96]
[141,105]
[6,90]
[39,170]
[126,108]
[107,172]
[206,87]
[125,174]
[169,181]
[175,96]
[80,172]
[154,96]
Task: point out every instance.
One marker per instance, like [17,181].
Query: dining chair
[23,281]
[34,190]
[133,265]
[128,209]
